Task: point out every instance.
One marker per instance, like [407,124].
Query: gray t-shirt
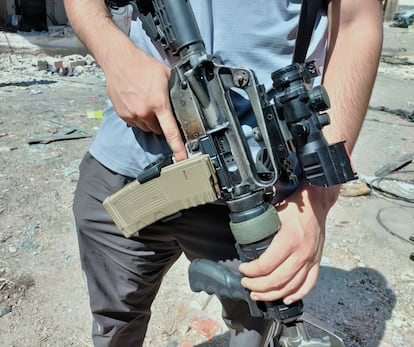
[259,35]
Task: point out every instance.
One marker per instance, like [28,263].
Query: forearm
[92,23]
[137,83]
[354,47]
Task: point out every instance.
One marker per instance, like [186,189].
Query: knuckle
[161,105]
[172,134]
[264,267]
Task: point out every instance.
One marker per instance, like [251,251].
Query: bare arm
[137,83]
[289,268]
[354,48]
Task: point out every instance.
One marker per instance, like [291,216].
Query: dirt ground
[366,286]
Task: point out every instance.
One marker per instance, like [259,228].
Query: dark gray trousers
[123,275]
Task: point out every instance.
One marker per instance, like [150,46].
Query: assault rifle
[220,157]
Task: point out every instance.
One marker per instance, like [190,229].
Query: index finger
[172,134]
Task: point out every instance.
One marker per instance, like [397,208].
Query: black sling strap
[307,20]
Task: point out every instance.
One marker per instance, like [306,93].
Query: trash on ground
[206,327]
[72,133]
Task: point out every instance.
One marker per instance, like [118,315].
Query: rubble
[67,66]
[41,70]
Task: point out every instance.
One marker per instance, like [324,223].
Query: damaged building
[27,15]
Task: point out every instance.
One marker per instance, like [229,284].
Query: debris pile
[70,65]
[23,70]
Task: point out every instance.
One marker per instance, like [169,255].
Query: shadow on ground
[359,303]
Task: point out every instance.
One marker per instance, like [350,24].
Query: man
[123,275]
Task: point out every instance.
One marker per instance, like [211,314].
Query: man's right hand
[137,83]
[138,88]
